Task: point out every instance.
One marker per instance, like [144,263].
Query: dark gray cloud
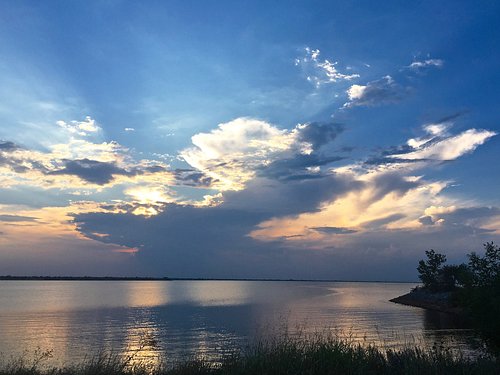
[13,163]
[462,214]
[391,182]
[383,91]
[6,158]
[193,240]
[98,172]
[8,146]
[319,134]
[289,197]
[426,220]
[470,217]
[191,177]
[467,217]
[182,240]
[385,156]
[378,223]
[298,165]
[16,218]
[89,170]
[213,242]
[334,230]
[92,171]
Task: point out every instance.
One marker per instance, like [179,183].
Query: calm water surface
[75,319]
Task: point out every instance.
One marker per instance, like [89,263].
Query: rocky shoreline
[431,301]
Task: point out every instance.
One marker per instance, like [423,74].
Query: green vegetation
[474,286]
[316,355]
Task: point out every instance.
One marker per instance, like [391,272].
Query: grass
[319,354]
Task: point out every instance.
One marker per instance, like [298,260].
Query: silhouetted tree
[485,270]
[430,270]
[475,287]
[452,276]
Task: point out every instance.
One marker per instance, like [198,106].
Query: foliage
[481,296]
[320,354]
[485,270]
[430,270]
[475,286]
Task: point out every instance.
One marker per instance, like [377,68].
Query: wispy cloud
[321,71]
[423,64]
[449,148]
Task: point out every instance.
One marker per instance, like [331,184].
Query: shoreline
[120,278]
[430,301]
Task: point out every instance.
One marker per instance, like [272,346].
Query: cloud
[16,218]
[85,166]
[91,163]
[238,150]
[333,230]
[436,145]
[8,146]
[382,222]
[388,89]
[222,160]
[92,171]
[298,166]
[192,177]
[449,148]
[319,71]
[292,201]
[383,91]
[424,64]
[318,134]
[385,193]
[289,197]
[474,216]
[81,128]
[231,153]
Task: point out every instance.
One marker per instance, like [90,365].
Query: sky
[224,139]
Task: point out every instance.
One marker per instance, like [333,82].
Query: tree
[481,296]
[486,269]
[452,276]
[430,270]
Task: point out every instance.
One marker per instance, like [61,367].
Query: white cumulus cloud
[81,128]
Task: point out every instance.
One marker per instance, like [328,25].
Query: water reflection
[186,318]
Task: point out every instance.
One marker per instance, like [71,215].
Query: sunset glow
[269,141]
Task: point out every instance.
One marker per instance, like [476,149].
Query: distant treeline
[84,278]
[138,278]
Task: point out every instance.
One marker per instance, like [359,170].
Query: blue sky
[308,139]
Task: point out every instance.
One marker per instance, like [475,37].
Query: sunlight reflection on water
[178,319]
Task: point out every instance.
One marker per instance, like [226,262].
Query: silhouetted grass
[311,355]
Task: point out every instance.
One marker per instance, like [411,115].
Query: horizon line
[165,278]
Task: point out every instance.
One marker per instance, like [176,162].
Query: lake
[76,319]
